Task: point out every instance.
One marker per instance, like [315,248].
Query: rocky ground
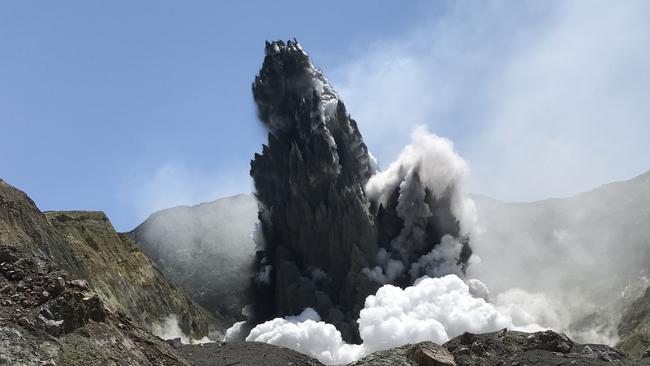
[501,348]
[86,245]
[244,354]
[49,317]
[505,347]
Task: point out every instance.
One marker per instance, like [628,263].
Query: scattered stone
[47,314]
[60,283]
[18,275]
[52,327]
[44,296]
[5,289]
[175,342]
[95,308]
[24,322]
[430,354]
[80,284]
[6,256]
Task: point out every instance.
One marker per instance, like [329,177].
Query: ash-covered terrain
[332,261]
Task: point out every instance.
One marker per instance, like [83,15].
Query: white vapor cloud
[439,168]
[434,309]
[169,329]
[542,98]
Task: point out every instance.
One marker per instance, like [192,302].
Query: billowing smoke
[421,220]
[425,185]
[544,100]
[428,161]
[333,230]
[434,309]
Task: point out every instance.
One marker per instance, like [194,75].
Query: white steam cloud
[544,99]
[439,168]
[169,329]
[434,309]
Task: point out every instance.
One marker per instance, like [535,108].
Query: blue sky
[129,107]
[95,96]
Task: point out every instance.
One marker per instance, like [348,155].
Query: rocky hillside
[50,317]
[86,246]
[634,328]
[123,275]
[207,249]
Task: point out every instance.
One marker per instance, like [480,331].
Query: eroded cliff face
[327,243]
[123,276]
[85,245]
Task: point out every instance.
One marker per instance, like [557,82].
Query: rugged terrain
[50,317]
[86,246]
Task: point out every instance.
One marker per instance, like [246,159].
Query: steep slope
[207,249]
[123,276]
[634,328]
[86,245]
[24,226]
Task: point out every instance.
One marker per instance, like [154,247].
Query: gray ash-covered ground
[244,354]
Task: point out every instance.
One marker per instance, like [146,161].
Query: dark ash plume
[327,243]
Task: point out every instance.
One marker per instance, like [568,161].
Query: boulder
[430,354]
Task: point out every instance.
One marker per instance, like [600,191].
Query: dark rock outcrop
[501,348]
[541,348]
[322,233]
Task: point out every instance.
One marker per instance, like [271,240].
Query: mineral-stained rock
[123,277]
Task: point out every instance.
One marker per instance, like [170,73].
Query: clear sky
[133,106]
